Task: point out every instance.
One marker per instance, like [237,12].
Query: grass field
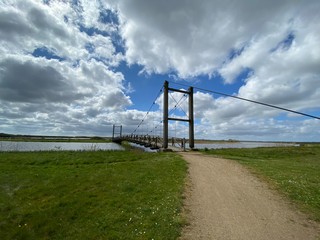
[91,195]
[292,170]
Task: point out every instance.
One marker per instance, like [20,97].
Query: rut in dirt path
[226,202]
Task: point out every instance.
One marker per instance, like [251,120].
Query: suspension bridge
[153,140]
[157,135]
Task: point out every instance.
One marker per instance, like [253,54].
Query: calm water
[224,145]
[243,145]
[6,146]
[56,146]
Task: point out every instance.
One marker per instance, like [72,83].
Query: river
[243,145]
[7,146]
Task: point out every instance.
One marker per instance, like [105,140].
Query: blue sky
[78,67]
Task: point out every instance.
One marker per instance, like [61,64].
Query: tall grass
[293,170]
[90,195]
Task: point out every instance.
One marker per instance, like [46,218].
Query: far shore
[42,138]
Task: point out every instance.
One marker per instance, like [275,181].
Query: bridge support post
[165,114]
[191,119]
[113,131]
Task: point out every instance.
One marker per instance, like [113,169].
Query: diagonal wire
[175,107]
[178,104]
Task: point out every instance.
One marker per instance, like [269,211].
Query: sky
[76,68]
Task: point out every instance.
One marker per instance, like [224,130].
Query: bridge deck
[177,144]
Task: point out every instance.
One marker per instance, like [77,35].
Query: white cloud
[69,87]
[27,25]
[194,38]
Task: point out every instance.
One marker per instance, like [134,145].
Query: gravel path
[224,201]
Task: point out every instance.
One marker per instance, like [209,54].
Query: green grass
[295,171]
[91,195]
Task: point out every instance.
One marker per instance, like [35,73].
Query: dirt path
[226,202]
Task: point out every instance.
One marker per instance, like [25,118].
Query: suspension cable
[153,103]
[252,101]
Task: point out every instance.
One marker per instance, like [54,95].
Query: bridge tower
[166,117]
[116,132]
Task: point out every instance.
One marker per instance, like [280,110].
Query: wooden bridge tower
[166,117]
[116,132]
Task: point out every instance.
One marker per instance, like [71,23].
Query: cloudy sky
[77,67]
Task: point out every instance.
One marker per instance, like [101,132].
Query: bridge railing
[153,141]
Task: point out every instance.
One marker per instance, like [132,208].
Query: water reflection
[143,148]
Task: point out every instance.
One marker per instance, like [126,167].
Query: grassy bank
[293,170]
[90,195]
